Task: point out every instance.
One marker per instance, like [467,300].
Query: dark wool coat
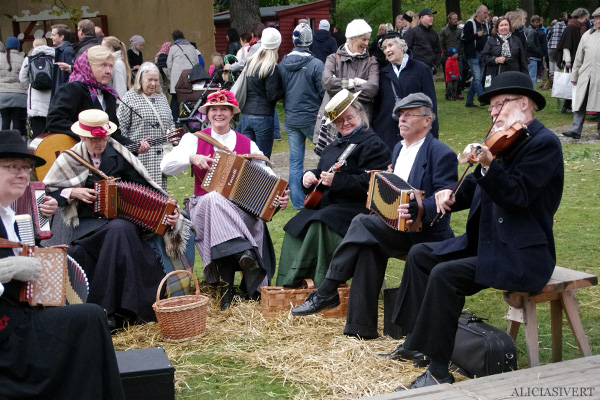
[493,48]
[415,77]
[71,99]
[424,44]
[511,214]
[347,195]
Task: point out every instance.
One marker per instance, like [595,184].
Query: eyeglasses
[499,106]
[407,115]
[342,121]
[16,169]
[96,140]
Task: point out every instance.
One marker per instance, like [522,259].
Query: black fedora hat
[13,146]
[513,82]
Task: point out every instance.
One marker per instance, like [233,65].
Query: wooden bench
[561,292]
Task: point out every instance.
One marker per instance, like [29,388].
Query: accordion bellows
[386,192]
[246,184]
[135,203]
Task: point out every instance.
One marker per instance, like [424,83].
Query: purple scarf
[82,72]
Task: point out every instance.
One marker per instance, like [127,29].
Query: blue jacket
[300,73]
[323,44]
[511,215]
[63,53]
[434,169]
[415,77]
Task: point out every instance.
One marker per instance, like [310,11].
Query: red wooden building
[284,18]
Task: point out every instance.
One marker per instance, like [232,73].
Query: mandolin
[50,145]
[313,198]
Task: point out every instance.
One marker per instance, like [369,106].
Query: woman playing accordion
[227,238]
[123,269]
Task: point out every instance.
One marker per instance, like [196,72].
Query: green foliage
[59,7]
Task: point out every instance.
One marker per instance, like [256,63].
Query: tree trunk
[244,14]
[396,10]
[453,6]
[528,6]
[591,6]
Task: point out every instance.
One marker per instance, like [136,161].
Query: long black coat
[347,195]
[73,98]
[415,77]
[511,215]
[493,49]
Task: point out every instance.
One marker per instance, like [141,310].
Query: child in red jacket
[452,74]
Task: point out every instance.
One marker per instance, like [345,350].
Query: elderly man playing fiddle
[425,163]
[508,244]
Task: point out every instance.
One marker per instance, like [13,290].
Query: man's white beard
[515,116]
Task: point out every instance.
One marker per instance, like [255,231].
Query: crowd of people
[366,107]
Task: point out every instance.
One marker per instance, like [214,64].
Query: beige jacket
[586,70]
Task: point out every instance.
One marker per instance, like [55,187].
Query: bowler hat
[513,82]
[13,146]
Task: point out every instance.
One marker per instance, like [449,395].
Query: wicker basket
[181,318]
[275,299]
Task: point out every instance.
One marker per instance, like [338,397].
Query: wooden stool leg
[531,332]
[571,306]
[556,329]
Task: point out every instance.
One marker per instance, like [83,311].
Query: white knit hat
[358,27]
[270,39]
[302,36]
[324,25]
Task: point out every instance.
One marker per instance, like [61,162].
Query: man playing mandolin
[508,242]
[425,163]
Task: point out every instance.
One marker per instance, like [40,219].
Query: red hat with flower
[220,98]
[93,123]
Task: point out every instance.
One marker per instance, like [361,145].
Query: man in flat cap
[508,242]
[423,41]
[425,163]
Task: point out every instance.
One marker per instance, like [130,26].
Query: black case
[146,374]
[481,349]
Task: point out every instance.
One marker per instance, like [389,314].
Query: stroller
[192,89]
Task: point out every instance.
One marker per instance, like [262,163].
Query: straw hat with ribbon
[93,123]
[220,98]
[338,104]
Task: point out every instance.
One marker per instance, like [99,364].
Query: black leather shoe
[112,323]
[572,135]
[400,353]
[427,379]
[314,303]
[226,297]
[247,260]
[471,105]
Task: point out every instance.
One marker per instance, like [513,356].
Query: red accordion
[147,208]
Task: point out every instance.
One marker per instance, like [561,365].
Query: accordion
[62,280]
[147,208]
[29,204]
[246,184]
[386,192]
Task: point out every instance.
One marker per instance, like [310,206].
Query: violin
[499,143]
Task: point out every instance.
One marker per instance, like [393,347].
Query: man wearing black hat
[425,163]
[55,352]
[423,41]
[508,244]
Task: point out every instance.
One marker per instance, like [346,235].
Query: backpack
[41,71]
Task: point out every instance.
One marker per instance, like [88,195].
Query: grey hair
[145,67]
[429,112]
[362,113]
[580,12]
[401,43]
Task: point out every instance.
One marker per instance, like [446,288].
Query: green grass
[576,233]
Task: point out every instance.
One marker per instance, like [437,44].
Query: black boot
[227,268]
[226,296]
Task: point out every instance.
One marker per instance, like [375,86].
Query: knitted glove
[25,269]
[359,81]
[453,77]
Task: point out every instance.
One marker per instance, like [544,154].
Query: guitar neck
[151,142]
